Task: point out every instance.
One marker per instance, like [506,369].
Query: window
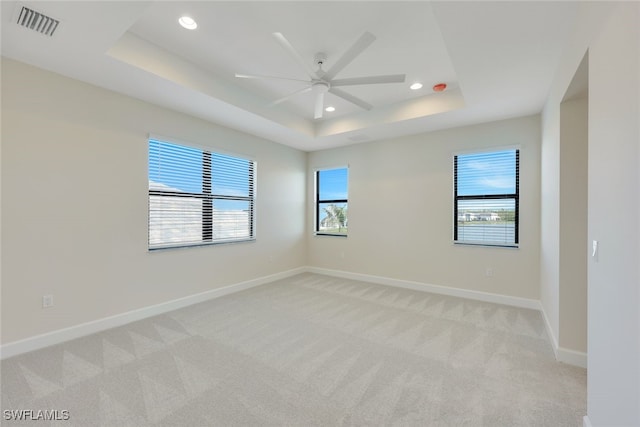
[331,202]
[198,197]
[486,198]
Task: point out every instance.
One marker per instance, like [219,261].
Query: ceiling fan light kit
[320,81]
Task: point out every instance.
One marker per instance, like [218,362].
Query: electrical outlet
[488,272]
[47,301]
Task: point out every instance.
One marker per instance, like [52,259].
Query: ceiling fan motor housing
[321,87]
[322,81]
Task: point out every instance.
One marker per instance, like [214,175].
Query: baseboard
[550,334]
[436,289]
[572,357]
[586,422]
[564,355]
[56,337]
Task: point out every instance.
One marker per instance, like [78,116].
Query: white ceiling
[497,58]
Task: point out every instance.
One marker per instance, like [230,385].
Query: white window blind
[486,198]
[198,197]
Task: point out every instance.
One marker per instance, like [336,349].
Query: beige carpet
[309,350]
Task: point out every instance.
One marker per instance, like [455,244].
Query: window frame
[318,201]
[504,196]
[206,181]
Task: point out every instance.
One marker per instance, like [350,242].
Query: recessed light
[416,86]
[330,109]
[188,22]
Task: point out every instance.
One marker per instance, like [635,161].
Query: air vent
[37,21]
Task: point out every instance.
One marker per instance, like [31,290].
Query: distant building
[163,227]
[484,216]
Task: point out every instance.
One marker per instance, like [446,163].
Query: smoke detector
[440,87]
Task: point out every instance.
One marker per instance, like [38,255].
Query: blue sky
[487,173]
[180,168]
[333,184]
[162,166]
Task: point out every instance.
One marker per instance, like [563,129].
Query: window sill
[330,234]
[488,245]
[199,245]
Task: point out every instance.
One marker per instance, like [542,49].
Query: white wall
[573,225]
[74,219]
[589,19]
[609,31]
[401,211]
[550,221]
[614,220]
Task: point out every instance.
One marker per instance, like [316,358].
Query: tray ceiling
[497,58]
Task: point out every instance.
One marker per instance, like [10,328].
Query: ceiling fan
[322,81]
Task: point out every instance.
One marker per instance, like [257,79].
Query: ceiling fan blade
[356,49]
[291,95]
[319,105]
[258,76]
[391,78]
[352,99]
[294,53]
